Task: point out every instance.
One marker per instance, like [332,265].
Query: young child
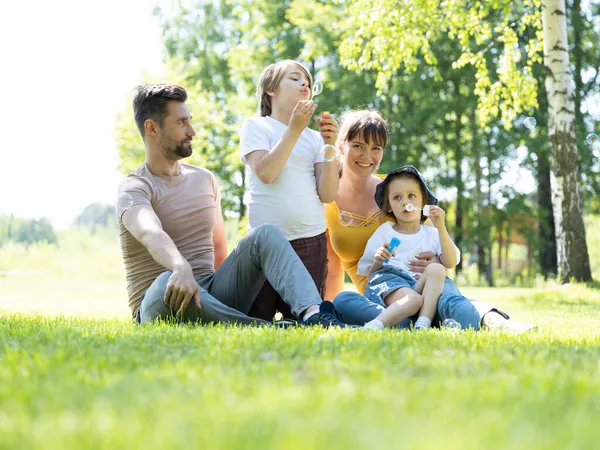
[292,171]
[404,194]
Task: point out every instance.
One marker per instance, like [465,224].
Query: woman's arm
[328,172]
[328,179]
[335,273]
[219,239]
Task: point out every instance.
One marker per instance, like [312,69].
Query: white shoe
[514,327]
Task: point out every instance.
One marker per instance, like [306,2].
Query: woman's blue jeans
[356,309]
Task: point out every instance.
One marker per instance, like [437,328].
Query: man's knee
[153,303]
[157,309]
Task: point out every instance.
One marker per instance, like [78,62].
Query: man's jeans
[356,309]
[227,295]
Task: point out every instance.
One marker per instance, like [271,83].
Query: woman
[354,216]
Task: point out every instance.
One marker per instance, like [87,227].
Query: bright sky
[68,66]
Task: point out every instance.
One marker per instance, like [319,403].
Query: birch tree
[572,252]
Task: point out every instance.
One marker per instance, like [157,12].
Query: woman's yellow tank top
[349,241]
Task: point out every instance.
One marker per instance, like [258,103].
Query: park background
[464,93]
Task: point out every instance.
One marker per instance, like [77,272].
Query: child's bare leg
[430,285]
[401,303]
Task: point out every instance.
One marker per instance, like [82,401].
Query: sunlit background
[67,69]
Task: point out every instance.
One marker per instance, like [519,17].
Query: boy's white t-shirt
[291,201]
[427,239]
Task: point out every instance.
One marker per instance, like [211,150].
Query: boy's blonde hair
[269,82]
[365,122]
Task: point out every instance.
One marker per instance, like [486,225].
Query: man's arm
[219,239]
[143,223]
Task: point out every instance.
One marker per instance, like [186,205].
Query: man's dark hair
[150,102]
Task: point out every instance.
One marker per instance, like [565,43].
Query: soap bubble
[593,140]
[451,324]
[345,218]
[317,88]
[410,207]
[530,123]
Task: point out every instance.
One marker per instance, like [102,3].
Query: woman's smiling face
[361,157]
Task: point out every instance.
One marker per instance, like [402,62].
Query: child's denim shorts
[385,281]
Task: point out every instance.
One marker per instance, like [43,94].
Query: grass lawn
[75,373]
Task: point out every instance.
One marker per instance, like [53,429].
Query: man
[173,238]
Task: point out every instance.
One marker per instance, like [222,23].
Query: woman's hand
[328,127]
[421,262]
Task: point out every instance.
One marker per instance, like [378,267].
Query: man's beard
[180,150]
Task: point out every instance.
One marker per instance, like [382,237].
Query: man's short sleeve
[216,190]
[254,135]
[132,191]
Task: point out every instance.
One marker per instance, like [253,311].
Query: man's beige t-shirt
[186,205]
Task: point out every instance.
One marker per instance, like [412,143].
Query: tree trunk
[572,252]
[546,229]
[458,224]
[479,235]
[577,60]
[489,256]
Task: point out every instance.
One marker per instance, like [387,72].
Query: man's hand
[328,127]
[421,262]
[301,115]
[181,288]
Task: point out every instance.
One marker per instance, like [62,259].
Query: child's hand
[301,115]
[383,254]
[328,127]
[437,216]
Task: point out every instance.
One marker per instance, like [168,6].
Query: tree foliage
[454,79]
[26,231]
